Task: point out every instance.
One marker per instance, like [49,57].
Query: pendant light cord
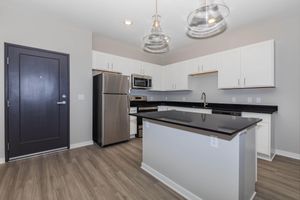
[156,10]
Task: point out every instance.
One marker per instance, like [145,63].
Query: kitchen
[221,90]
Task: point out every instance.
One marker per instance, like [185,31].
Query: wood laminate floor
[114,173]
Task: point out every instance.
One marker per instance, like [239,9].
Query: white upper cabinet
[230,69]
[248,67]
[175,77]
[210,63]
[258,65]
[101,61]
[205,64]
[155,71]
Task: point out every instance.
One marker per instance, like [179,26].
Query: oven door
[140,120]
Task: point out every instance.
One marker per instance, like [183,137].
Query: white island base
[199,166]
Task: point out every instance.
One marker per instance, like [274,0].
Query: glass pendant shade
[156,42]
[208,20]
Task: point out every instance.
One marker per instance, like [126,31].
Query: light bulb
[211,20]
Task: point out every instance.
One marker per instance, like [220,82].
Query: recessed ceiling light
[127,22]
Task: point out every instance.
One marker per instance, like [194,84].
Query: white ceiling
[105,17]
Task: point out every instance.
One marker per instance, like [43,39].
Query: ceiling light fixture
[127,22]
[156,42]
[208,20]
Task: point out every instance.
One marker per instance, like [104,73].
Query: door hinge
[7,60]
[8,146]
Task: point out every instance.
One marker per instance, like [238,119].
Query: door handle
[61,103]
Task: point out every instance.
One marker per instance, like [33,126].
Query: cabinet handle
[244,81]
[239,82]
[202,68]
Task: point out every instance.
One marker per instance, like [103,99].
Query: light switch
[81,97]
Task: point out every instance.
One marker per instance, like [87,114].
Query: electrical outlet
[214,141]
[249,99]
[258,100]
[233,99]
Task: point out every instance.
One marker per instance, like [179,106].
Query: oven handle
[147,108]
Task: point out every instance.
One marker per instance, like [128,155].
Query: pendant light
[208,20]
[156,42]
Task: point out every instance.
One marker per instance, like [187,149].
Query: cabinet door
[120,64]
[168,78]
[155,72]
[230,69]
[210,63]
[263,132]
[263,138]
[101,60]
[193,66]
[179,75]
[258,65]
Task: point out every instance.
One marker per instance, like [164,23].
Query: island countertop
[222,124]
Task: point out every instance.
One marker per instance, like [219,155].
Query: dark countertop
[267,109]
[221,124]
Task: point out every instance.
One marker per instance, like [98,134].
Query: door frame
[6,87]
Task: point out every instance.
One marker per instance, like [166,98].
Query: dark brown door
[37,94]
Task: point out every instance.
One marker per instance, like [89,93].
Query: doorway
[37,101]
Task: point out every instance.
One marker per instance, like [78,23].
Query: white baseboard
[132,136]
[171,184]
[287,154]
[2,160]
[253,196]
[81,144]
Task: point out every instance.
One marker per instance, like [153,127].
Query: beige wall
[38,30]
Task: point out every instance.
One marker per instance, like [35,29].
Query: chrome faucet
[203,98]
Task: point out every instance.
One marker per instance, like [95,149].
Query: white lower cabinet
[264,135]
[162,108]
[133,123]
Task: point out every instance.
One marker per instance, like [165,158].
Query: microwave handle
[150,83]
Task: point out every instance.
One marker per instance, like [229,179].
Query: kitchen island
[201,156]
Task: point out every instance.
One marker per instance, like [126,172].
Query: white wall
[46,32]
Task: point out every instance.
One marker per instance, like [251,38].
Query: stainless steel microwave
[141,81]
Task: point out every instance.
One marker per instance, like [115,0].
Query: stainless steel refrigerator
[111,107]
